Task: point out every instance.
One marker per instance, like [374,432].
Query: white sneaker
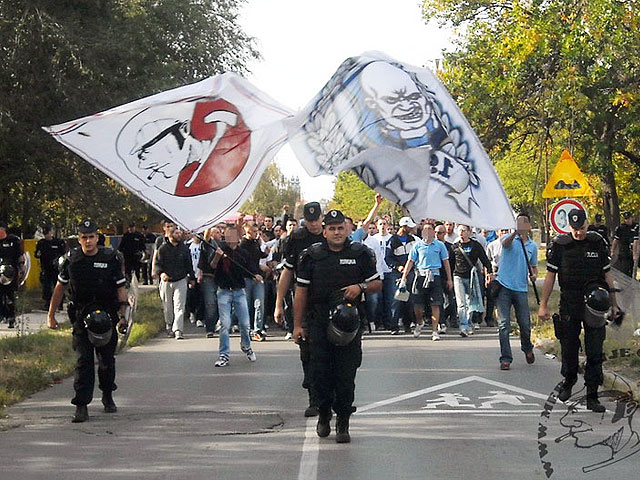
[192,319]
[178,335]
[470,331]
[463,333]
[223,361]
[199,323]
[288,336]
[435,336]
[442,328]
[417,330]
[251,356]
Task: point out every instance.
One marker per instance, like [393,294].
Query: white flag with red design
[195,153]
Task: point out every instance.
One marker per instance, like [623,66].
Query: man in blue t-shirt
[428,255]
[513,274]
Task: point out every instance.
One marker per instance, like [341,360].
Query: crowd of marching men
[252,246]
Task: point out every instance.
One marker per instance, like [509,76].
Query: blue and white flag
[195,153]
[399,130]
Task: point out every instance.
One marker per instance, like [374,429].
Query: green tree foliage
[535,77]
[273,192]
[355,199]
[70,58]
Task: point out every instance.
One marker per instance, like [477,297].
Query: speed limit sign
[559,214]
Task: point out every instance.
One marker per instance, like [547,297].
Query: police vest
[299,240]
[94,279]
[331,271]
[581,261]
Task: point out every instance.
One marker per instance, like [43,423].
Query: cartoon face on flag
[195,153]
[398,128]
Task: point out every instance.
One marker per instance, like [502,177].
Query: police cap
[332,217]
[87,226]
[598,217]
[577,218]
[312,211]
[626,215]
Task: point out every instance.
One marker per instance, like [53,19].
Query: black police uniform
[94,281]
[325,272]
[292,247]
[10,253]
[625,234]
[49,252]
[602,230]
[132,247]
[578,263]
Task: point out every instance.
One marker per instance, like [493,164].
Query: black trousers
[48,281]
[333,371]
[8,302]
[131,265]
[570,343]
[84,375]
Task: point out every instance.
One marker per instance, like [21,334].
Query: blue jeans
[209,291]
[238,299]
[462,287]
[520,302]
[255,292]
[372,307]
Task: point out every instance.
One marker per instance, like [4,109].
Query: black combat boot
[81,415]
[565,392]
[342,430]
[312,410]
[593,403]
[109,404]
[323,429]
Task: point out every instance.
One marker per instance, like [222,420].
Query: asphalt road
[440,410]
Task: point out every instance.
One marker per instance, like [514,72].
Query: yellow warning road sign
[567,180]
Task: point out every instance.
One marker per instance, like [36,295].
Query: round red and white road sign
[559,214]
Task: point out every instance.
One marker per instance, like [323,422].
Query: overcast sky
[302,44]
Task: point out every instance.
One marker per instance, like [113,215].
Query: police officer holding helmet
[581,262]
[331,278]
[98,303]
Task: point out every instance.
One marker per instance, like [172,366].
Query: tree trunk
[609,192]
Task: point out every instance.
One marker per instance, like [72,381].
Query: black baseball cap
[577,218]
[87,226]
[332,217]
[312,211]
[627,215]
[598,217]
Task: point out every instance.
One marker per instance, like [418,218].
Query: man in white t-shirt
[379,304]
[451,235]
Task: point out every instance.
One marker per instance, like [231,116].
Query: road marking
[442,386]
[310,449]
[482,413]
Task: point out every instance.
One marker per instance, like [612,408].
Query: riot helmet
[99,327]
[7,274]
[597,303]
[344,323]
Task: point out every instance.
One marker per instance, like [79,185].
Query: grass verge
[30,363]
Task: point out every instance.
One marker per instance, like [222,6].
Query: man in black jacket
[132,247]
[230,264]
[173,265]
[49,249]
[467,252]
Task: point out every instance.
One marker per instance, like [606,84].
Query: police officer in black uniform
[331,279]
[624,242]
[580,260]
[12,272]
[97,283]
[292,247]
[598,226]
[49,249]
[132,247]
